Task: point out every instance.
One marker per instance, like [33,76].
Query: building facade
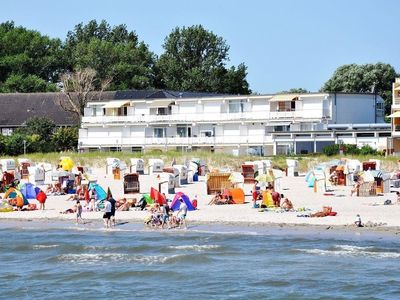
[254,124]
[395,116]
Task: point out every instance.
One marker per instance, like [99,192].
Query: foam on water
[36,247]
[351,250]
[96,258]
[198,248]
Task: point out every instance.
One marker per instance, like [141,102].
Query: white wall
[211,107]
[259,105]
[312,107]
[231,129]
[256,130]
[137,131]
[354,108]
[97,132]
[187,107]
[141,109]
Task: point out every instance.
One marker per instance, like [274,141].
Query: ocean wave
[351,250]
[94,258]
[36,247]
[195,247]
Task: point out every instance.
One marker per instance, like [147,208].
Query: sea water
[64,261]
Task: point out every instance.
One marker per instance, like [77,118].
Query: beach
[374,214]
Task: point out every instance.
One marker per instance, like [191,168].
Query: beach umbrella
[13,193]
[148,198]
[66,163]
[236,177]
[265,178]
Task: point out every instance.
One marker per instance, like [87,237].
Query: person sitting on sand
[356,186]
[287,204]
[358,222]
[50,189]
[333,178]
[217,198]
[276,198]
[69,210]
[73,197]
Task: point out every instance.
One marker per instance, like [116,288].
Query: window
[281,128]
[235,106]
[159,132]
[122,111]
[206,133]
[181,131]
[6,131]
[379,105]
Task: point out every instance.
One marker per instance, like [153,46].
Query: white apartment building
[254,124]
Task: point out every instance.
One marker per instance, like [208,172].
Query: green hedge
[349,149]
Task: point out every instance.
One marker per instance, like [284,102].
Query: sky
[284,43]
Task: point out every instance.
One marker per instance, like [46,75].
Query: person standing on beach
[112,202]
[107,213]
[182,213]
[78,212]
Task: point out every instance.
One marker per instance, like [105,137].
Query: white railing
[208,117]
[223,140]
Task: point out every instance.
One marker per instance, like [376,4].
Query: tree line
[194,59]
[39,135]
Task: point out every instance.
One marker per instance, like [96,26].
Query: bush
[331,150]
[65,138]
[349,149]
[367,150]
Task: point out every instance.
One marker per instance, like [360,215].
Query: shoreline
[298,228]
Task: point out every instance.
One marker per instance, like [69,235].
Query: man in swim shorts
[107,213]
[113,203]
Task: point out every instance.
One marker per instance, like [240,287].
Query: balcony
[396,131]
[261,116]
[396,101]
[173,141]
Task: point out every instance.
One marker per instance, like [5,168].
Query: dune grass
[213,160]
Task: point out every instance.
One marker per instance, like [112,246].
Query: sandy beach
[373,213]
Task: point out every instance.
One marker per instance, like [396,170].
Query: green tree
[295,91]
[368,78]
[29,57]
[65,138]
[41,126]
[17,83]
[14,144]
[195,60]
[113,53]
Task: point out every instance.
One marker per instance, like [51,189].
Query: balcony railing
[173,141]
[200,117]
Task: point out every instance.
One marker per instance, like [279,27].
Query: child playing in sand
[287,204]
